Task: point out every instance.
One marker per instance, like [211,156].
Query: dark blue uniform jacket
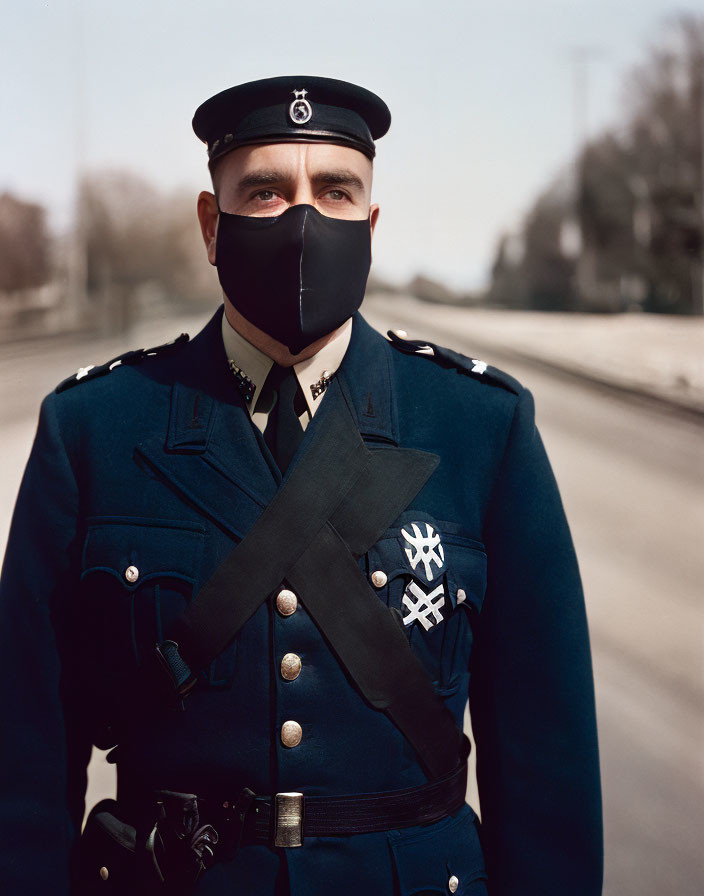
[158,466]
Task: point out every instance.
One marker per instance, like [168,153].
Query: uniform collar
[366,378]
[255,364]
[252,361]
[325,361]
[211,453]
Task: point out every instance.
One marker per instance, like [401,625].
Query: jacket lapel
[211,453]
[366,381]
[214,455]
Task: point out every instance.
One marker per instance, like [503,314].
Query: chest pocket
[433,575]
[137,576]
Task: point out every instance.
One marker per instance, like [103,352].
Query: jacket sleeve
[531,688]
[43,750]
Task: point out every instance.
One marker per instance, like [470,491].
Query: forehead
[289,158]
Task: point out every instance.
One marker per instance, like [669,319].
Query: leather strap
[316,486]
[251,818]
[337,502]
[365,813]
[374,649]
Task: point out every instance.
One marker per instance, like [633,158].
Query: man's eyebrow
[268,177]
[264,178]
[341,178]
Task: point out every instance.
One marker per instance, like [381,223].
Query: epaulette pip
[448,358]
[83,374]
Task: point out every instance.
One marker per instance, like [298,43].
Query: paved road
[632,482]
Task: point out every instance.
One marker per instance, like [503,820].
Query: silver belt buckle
[288,820]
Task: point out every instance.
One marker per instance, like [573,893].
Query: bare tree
[24,244]
[135,238]
[640,199]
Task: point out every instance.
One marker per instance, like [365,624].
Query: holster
[105,857]
[180,847]
[165,852]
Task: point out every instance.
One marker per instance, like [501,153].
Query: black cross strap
[289,523]
[337,502]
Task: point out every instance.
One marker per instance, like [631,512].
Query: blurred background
[542,208]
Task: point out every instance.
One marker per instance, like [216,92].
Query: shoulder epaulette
[448,358]
[83,374]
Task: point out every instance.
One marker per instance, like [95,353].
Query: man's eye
[265,195]
[336,195]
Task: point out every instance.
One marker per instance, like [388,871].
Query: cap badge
[300,111]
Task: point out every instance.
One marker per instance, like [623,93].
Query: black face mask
[297,276]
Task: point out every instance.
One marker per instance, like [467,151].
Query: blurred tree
[635,217]
[532,269]
[546,268]
[140,244]
[665,138]
[24,244]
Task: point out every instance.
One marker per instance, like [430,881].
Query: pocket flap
[136,550]
[466,574]
[427,861]
[436,549]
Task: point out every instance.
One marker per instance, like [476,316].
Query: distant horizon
[482,102]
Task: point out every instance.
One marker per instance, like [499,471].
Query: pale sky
[481,97]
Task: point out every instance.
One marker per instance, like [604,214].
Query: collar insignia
[244,384]
[322,384]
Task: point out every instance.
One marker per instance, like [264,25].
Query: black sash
[337,502]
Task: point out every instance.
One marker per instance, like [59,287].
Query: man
[270,564]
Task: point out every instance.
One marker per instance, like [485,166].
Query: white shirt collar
[255,364]
[325,360]
[251,360]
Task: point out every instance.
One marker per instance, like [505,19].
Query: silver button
[291,734]
[104,873]
[286,602]
[379,578]
[291,666]
[461,596]
[452,884]
[132,574]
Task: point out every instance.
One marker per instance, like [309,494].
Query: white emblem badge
[425,548]
[300,111]
[423,608]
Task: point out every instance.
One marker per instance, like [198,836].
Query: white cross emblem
[424,547]
[421,606]
[479,366]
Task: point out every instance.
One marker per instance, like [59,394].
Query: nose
[303,193]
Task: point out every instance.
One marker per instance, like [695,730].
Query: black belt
[286,819]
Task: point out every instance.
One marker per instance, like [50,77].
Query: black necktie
[283,431]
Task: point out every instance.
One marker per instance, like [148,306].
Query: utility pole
[76,299]
[581,57]
[701,183]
